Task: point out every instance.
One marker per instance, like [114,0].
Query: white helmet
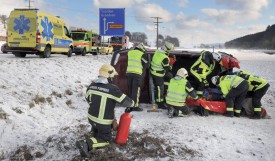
[215,79]
[217,56]
[141,47]
[167,47]
[107,71]
[182,73]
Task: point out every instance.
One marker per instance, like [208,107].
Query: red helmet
[230,62]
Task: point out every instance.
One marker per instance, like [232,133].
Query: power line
[157,25]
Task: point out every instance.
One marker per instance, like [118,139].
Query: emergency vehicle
[31,31]
[120,42]
[99,47]
[82,41]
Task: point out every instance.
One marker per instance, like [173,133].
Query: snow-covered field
[46,110]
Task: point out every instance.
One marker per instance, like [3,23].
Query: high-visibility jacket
[158,65]
[254,82]
[134,62]
[203,66]
[178,90]
[102,99]
[229,81]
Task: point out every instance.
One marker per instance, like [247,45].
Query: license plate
[14,45]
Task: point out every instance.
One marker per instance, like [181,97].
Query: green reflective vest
[134,62]
[200,69]
[156,63]
[254,82]
[176,93]
[229,81]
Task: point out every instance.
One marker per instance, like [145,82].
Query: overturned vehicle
[184,59]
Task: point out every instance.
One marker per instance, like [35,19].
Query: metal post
[157,24]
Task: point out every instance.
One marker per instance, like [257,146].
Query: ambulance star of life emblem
[47,29]
[21,24]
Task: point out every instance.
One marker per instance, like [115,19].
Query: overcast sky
[193,22]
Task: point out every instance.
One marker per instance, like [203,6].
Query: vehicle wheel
[77,53]
[70,52]
[94,53]
[83,53]
[21,55]
[46,53]
[4,52]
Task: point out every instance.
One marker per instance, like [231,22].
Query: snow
[46,125]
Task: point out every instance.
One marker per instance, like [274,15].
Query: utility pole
[157,25]
[30,3]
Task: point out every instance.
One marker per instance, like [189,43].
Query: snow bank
[44,101]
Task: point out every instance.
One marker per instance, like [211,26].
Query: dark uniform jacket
[102,98]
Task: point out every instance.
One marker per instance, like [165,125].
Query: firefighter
[102,97]
[202,68]
[257,89]
[178,89]
[137,61]
[159,66]
[234,89]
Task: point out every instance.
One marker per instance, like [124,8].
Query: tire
[46,53]
[70,52]
[20,55]
[77,53]
[94,53]
[83,53]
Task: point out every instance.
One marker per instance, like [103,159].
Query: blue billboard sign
[111,21]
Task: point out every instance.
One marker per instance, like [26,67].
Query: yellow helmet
[182,72]
[215,80]
[107,71]
[141,47]
[167,47]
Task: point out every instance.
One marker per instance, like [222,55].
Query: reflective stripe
[98,145]
[118,99]
[179,104]
[257,109]
[94,140]
[100,121]
[102,107]
[133,60]
[196,75]
[174,98]
[134,66]
[138,93]
[176,93]
[189,89]
[199,92]
[229,109]
[144,60]
[154,65]
[233,84]
[237,111]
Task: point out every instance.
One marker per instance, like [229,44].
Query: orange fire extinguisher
[123,128]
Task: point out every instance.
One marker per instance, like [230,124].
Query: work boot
[257,115]
[83,148]
[137,109]
[229,114]
[162,105]
[237,114]
[171,112]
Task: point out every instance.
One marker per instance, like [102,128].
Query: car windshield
[78,36]
[116,39]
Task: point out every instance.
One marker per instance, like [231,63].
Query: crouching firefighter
[179,87]
[257,89]
[102,97]
[234,89]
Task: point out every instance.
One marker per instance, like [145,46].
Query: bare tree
[4,20]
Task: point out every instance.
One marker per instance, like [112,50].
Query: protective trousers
[134,85]
[159,88]
[235,97]
[101,135]
[256,98]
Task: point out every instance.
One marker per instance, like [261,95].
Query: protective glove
[206,84]
[128,109]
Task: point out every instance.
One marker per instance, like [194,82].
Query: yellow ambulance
[33,32]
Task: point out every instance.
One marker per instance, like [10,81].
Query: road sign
[112,21]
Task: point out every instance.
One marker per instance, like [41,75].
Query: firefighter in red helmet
[102,97]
